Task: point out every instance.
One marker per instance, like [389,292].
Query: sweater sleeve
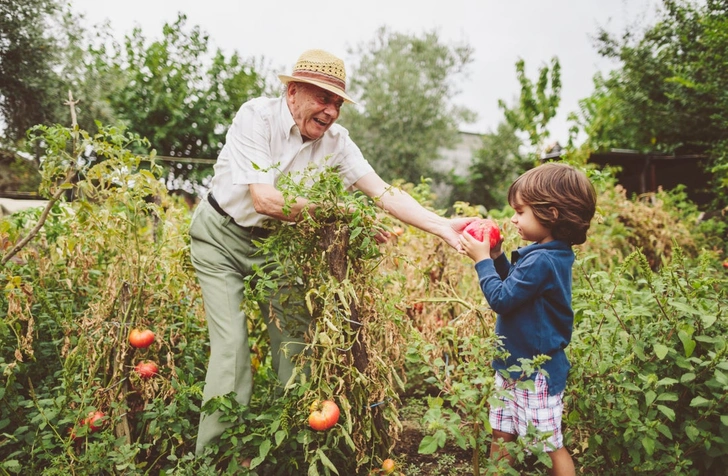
[522,285]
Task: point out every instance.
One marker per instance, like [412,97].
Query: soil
[449,461]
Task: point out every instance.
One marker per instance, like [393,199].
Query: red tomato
[324,415]
[388,466]
[146,369]
[480,227]
[141,339]
[725,264]
[94,420]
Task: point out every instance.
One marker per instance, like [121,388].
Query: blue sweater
[532,297]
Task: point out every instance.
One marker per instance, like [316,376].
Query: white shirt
[264,133]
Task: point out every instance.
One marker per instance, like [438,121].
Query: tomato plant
[324,415]
[141,338]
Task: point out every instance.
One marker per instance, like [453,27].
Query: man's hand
[382,235]
[452,234]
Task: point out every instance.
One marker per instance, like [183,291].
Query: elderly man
[291,133]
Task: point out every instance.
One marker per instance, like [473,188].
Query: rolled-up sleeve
[351,163]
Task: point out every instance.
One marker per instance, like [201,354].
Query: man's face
[314,109]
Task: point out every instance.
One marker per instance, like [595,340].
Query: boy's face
[528,226]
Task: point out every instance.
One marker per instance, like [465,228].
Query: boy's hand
[476,250]
[496,251]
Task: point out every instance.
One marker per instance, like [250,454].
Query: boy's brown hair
[559,186]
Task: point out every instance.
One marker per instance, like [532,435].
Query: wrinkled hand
[456,227]
[382,236]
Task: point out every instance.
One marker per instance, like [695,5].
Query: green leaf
[650,397]
[687,309]
[661,351]
[708,320]
[280,436]
[692,432]
[666,381]
[264,448]
[428,445]
[687,377]
[724,420]
[631,386]
[349,441]
[667,397]
[435,402]
[699,402]
[667,411]
[649,445]
[688,343]
[326,461]
[665,430]
[721,377]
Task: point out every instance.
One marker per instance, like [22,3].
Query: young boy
[554,204]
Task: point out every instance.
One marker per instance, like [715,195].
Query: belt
[253,230]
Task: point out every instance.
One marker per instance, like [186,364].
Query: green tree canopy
[174,91]
[537,104]
[669,92]
[404,85]
[31,90]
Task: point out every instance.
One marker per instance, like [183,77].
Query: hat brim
[285,79]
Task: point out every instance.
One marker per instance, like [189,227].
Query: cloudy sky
[500,32]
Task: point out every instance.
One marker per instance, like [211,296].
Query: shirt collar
[287,122]
[551,245]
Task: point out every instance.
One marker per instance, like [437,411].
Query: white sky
[500,31]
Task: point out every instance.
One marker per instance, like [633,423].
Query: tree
[495,165]
[537,103]
[668,93]
[404,85]
[503,157]
[176,93]
[28,55]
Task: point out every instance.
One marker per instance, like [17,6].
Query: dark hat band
[336,82]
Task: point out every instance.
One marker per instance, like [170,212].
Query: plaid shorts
[525,406]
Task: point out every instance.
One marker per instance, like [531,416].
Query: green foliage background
[647,393]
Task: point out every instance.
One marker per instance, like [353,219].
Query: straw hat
[321,69]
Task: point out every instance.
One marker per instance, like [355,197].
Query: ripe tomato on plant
[141,338]
[95,420]
[483,227]
[146,369]
[324,415]
[388,466]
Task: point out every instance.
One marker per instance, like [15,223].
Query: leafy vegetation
[668,92]
[401,336]
[646,395]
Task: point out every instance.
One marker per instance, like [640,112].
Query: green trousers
[223,255]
